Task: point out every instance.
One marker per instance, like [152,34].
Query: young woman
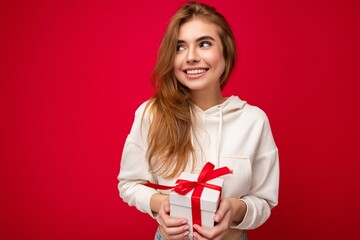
[188,122]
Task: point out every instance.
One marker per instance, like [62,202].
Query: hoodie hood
[231,104]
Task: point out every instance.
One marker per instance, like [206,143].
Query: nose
[192,55]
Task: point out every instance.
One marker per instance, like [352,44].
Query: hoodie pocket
[238,183]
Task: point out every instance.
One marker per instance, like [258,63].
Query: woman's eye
[180,48]
[205,44]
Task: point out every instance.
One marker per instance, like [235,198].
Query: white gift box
[180,205]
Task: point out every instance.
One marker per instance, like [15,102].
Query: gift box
[196,197]
[206,196]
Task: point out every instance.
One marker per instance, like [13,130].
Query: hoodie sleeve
[263,195]
[134,168]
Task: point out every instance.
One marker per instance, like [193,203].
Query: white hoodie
[233,134]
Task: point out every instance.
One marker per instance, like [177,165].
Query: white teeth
[195,71]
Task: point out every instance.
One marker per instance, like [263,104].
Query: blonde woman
[188,122]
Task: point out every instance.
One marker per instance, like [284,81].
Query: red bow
[185,186]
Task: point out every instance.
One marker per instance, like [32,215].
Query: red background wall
[72,74]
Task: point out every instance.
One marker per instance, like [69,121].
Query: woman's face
[199,61]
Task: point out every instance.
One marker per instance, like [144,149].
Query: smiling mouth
[196,71]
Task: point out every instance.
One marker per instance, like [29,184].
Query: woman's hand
[230,210]
[171,228]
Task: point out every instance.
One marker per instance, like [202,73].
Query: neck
[204,100]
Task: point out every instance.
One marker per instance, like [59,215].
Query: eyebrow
[199,39]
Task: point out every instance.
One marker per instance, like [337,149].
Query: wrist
[156,201]
[239,208]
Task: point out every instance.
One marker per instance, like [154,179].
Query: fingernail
[186,233]
[184,221]
[186,227]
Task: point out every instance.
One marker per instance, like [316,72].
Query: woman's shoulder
[141,108]
[143,111]
[253,112]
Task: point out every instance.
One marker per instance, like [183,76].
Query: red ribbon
[185,186]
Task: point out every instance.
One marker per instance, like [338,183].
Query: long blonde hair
[169,139]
